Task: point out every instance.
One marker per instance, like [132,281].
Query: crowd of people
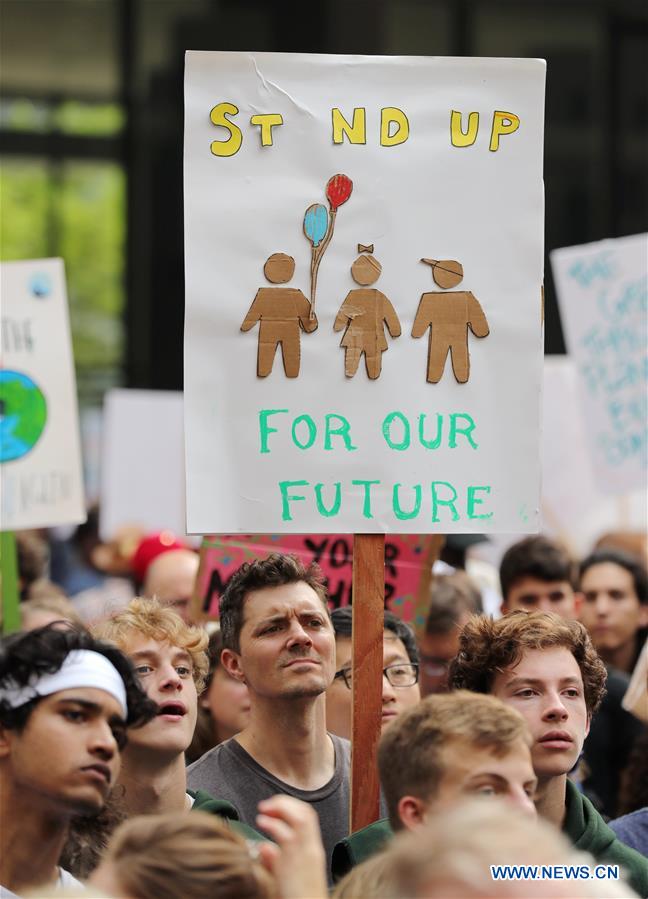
[146,754]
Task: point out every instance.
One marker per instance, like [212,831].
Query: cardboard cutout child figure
[281,312]
[449,315]
[365,312]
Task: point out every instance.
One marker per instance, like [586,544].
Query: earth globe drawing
[23,414]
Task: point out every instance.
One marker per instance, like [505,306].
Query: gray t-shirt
[229,772]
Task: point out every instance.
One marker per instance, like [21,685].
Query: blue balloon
[316,223]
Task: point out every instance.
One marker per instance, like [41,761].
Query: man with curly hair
[66,702]
[546,667]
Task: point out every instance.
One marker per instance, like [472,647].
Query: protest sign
[603,297]
[364,260]
[41,478]
[574,506]
[407,567]
[142,467]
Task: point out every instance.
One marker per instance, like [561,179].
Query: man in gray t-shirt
[279,640]
[229,772]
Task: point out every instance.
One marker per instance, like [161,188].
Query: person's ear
[579,599]
[643,615]
[587,726]
[231,662]
[411,811]
[5,742]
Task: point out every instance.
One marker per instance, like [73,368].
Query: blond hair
[452,855]
[152,619]
[196,856]
[373,878]
[487,647]
[410,759]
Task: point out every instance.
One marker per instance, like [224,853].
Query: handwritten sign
[41,480]
[363,346]
[407,566]
[603,296]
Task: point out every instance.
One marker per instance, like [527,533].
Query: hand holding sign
[318,227]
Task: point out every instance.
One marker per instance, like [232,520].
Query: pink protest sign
[407,567]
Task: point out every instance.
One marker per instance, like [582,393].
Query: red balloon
[338,190]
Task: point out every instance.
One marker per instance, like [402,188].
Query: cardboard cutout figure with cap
[365,312]
[449,315]
[281,311]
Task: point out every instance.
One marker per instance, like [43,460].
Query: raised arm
[476,318]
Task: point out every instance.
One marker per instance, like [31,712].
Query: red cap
[152,546]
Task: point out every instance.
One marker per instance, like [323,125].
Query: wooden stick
[367,622]
[9,582]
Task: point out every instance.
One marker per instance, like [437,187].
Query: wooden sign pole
[367,622]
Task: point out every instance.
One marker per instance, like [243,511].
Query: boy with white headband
[66,701]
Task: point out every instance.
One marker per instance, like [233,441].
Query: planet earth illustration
[23,414]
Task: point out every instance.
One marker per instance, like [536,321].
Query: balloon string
[316,258]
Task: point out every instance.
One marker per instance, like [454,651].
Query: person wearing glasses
[400,688]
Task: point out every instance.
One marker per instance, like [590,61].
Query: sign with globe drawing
[41,482]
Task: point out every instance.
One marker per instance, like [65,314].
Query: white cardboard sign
[41,477]
[397,204]
[603,294]
[142,465]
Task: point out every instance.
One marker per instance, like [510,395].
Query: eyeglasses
[400,675]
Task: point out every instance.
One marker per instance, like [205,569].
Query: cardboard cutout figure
[281,311]
[365,312]
[449,315]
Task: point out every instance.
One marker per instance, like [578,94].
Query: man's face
[287,644]
[165,672]
[339,708]
[437,651]
[611,611]
[170,578]
[471,770]
[546,687]
[67,756]
[534,595]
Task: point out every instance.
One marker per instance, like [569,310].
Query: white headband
[81,668]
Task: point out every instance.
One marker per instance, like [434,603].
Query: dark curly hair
[274,571]
[43,651]
[487,646]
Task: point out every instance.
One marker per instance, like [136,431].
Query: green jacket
[203,802]
[360,846]
[588,832]
[583,825]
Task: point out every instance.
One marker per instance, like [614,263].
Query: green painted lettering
[431,444]
[472,501]
[341,431]
[455,429]
[312,431]
[264,427]
[287,498]
[386,429]
[335,508]
[366,506]
[398,512]
[437,501]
